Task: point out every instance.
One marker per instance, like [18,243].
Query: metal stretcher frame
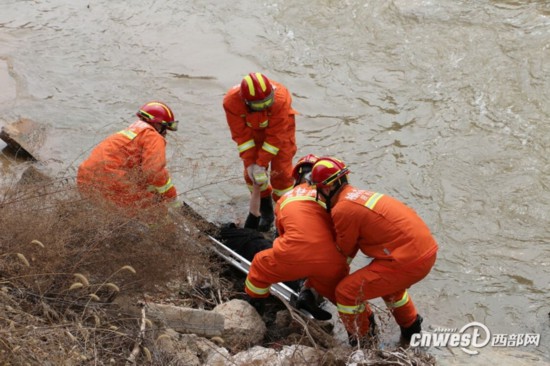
[242,264]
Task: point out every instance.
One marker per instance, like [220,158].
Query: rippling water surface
[442,104]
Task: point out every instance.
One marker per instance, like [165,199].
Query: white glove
[257,173]
[176,205]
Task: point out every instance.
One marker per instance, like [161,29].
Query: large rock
[295,355]
[187,320]
[257,356]
[190,350]
[244,327]
[298,355]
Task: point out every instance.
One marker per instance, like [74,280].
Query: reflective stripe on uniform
[280,192]
[354,309]
[162,189]
[302,198]
[371,202]
[254,289]
[270,148]
[246,145]
[263,124]
[129,134]
[404,300]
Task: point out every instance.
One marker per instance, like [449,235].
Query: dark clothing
[246,242]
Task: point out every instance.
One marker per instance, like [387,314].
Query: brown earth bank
[70,271]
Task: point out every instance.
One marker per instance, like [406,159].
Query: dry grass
[63,261]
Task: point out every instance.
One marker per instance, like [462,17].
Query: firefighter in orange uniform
[383,228]
[262,123]
[305,247]
[128,168]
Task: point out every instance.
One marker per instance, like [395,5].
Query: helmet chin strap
[162,130]
[328,197]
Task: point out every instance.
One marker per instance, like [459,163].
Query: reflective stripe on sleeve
[371,202]
[127,133]
[162,189]
[354,309]
[404,300]
[270,148]
[263,187]
[246,145]
[254,289]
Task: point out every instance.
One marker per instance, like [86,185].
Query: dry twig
[135,351]
[298,318]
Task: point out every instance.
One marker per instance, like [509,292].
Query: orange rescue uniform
[265,137]
[128,169]
[305,248]
[402,248]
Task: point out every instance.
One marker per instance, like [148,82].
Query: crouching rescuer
[128,169]
[392,234]
[304,249]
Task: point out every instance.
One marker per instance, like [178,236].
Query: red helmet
[158,112]
[327,171]
[257,91]
[306,162]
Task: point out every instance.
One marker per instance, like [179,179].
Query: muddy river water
[441,104]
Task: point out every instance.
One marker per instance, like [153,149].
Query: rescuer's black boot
[308,302]
[416,327]
[368,340]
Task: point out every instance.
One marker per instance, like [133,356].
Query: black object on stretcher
[248,247]
[305,302]
[242,264]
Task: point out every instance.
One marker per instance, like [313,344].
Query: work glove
[174,205]
[257,173]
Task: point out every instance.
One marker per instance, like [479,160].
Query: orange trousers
[376,280]
[266,270]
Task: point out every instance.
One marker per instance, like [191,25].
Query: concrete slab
[24,137]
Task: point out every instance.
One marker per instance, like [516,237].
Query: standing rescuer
[128,168]
[262,123]
[400,243]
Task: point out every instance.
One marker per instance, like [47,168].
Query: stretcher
[242,264]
